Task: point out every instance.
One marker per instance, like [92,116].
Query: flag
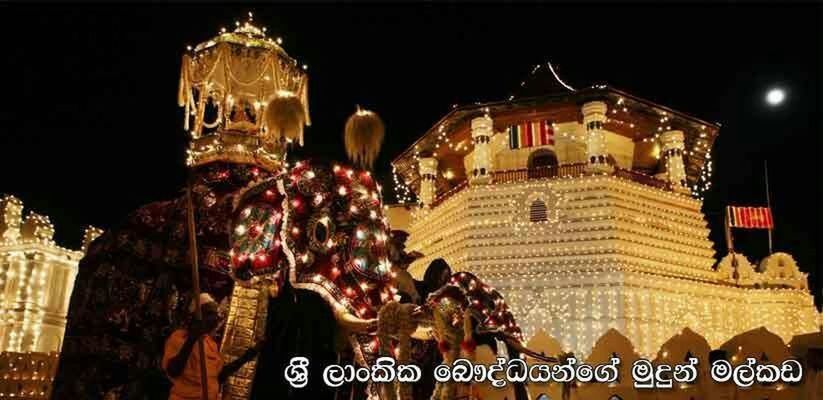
[531,134]
[514,137]
[527,135]
[750,217]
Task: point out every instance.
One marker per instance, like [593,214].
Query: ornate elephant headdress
[485,304]
[321,227]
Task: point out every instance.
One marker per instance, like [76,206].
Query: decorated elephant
[309,268]
[461,315]
[134,285]
[300,259]
[298,256]
[319,230]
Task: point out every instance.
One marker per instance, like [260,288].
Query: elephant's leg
[404,390]
[397,320]
[387,390]
[467,351]
[449,338]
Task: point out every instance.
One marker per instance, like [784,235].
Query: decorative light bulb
[240,230]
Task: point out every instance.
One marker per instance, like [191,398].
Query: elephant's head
[319,227]
[465,305]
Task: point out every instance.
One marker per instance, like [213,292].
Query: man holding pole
[182,364]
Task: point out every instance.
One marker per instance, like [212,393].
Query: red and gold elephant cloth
[321,227]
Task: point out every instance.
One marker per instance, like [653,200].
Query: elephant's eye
[321,231]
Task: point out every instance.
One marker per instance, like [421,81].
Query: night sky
[90,128]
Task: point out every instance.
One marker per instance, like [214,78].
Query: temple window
[537,211]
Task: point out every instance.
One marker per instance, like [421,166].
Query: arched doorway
[542,164]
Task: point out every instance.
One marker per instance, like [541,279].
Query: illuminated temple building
[583,207]
[36,280]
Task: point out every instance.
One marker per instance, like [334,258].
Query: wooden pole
[195,279]
[730,243]
[768,200]
[728,231]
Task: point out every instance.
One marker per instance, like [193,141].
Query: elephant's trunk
[516,345]
[353,324]
[395,320]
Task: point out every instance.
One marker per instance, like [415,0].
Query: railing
[557,171]
[27,376]
[642,178]
[519,175]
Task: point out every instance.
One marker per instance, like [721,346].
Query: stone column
[594,116]
[481,156]
[34,312]
[672,145]
[428,177]
[19,338]
[13,265]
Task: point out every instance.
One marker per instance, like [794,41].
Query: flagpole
[768,199]
[728,231]
[730,243]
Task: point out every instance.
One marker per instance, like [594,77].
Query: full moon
[775,96]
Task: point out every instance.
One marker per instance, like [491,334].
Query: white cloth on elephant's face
[405,283]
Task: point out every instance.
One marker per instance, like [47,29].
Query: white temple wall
[511,159]
[569,151]
[610,254]
[36,280]
[621,148]
[35,286]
